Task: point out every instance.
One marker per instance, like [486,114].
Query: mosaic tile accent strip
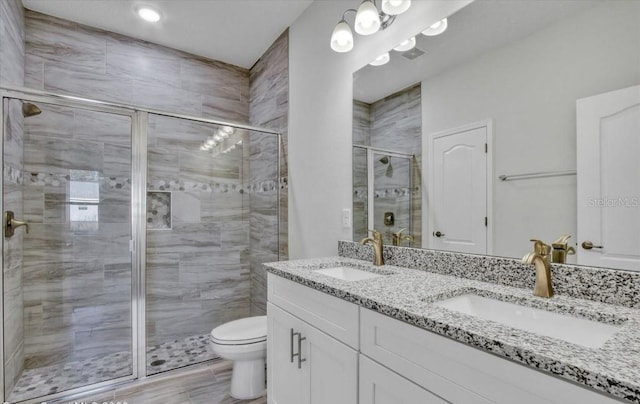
[598,284]
[361,192]
[181,185]
[158,210]
[407,295]
[52,379]
[62,180]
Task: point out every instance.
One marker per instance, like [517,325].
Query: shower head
[387,160]
[29,109]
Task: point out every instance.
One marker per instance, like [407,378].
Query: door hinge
[486,221]
[486,148]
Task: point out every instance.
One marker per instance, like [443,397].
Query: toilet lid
[243,331]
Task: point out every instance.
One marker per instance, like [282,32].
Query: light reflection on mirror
[517,67]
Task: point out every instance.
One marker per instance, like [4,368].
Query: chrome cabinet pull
[293,355]
[300,359]
[299,353]
[438,233]
[588,245]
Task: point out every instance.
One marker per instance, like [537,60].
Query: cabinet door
[332,367]
[379,385]
[286,384]
[326,374]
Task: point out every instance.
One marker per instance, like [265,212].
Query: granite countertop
[408,295]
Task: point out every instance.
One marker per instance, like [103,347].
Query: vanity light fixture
[436,28]
[395,7]
[381,60]
[367,18]
[406,45]
[368,21]
[148,14]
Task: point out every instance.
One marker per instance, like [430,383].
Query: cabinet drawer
[379,385]
[333,316]
[442,366]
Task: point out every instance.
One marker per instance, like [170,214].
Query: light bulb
[367,19]
[342,37]
[217,138]
[406,45]
[211,142]
[204,148]
[437,28]
[148,14]
[395,7]
[381,60]
[228,130]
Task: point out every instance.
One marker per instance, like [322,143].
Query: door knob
[438,233]
[588,245]
[11,224]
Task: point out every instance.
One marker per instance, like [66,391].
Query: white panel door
[608,165]
[459,192]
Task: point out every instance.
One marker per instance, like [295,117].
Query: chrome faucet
[540,259]
[398,238]
[376,241]
[561,249]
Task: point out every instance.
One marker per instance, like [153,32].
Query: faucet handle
[540,247]
[376,234]
[561,242]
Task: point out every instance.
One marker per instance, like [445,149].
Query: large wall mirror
[520,121]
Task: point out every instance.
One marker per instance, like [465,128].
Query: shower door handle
[11,224]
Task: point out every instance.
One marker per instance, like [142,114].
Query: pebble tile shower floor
[56,378]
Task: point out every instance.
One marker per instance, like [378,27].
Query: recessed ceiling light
[148,14]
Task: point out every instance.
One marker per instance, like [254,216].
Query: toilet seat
[241,332]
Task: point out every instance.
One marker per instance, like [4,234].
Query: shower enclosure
[127,237]
[384,194]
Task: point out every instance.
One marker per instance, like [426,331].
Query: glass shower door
[68,270]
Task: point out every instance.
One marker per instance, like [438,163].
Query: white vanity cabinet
[457,372]
[315,360]
[325,350]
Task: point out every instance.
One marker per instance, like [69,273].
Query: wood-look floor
[205,385]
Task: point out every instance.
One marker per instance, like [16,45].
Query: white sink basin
[347,273]
[591,334]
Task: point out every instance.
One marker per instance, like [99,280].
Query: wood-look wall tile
[54,121]
[142,61]
[166,98]
[59,40]
[65,79]
[33,72]
[57,156]
[100,126]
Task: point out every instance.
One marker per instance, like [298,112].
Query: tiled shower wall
[66,57]
[392,123]
[12,73]
[269,108]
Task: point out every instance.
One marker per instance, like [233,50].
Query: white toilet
[244,342]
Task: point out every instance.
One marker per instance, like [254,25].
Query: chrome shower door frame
[138,157]
[139,133]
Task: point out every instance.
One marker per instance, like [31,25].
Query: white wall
[530,88]
[321,97]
